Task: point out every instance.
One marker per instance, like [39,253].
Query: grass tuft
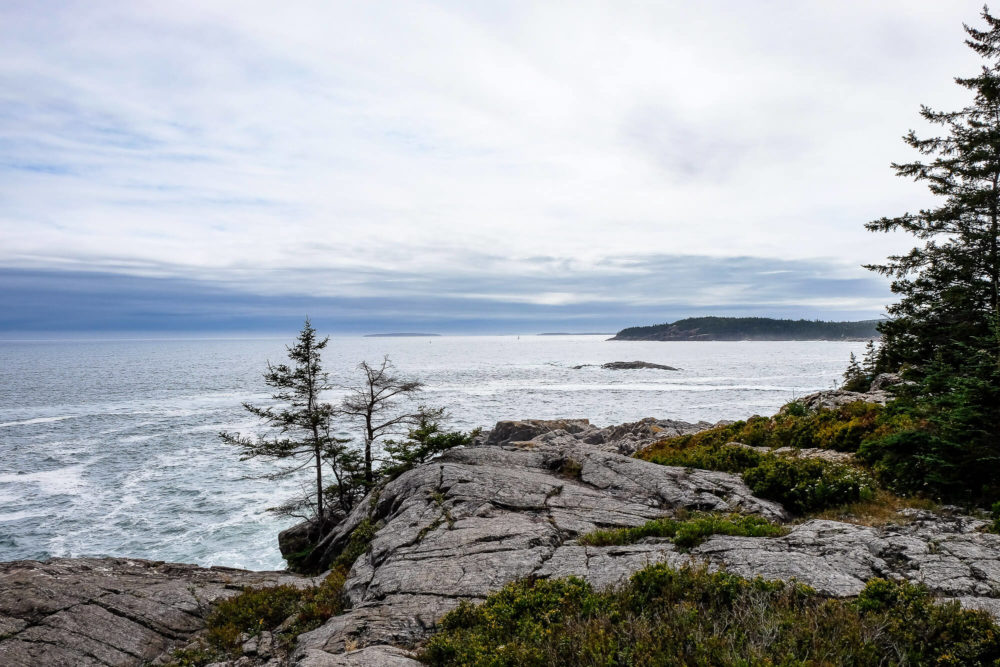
[687,532]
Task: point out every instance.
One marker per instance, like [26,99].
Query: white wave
[17,516]
[36,420]
[63,481]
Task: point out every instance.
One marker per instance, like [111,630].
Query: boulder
[832,399]
[296,542]
[804,453]
[506,432]
[883,381]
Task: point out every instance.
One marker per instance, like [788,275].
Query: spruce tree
[950,285]
[943,332]
[302,420]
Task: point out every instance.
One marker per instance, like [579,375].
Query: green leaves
[689,616]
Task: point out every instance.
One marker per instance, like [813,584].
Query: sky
[454,166]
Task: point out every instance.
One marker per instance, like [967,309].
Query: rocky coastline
[511,506]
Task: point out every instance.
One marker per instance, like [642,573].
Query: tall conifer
[950,285]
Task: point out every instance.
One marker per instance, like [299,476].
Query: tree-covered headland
[751,328]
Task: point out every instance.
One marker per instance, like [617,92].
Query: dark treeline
[751,328]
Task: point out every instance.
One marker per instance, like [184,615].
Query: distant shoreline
[402,335]
[752,329]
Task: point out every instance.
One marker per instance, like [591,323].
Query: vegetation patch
[689,616]
[883,508]
[361,538]
[807,485]
[687,532]
[842,429]
[995,515]
[801,485]
[256,610]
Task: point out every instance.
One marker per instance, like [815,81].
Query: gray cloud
[542,154]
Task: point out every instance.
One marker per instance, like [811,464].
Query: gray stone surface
[464,525]
[947,554]
[804,453]
[622,438]
[478,518]
[835,398]
[371,656]
[109,611]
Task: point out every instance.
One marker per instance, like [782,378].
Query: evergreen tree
[301,418]
[378,406]
[950,285]
[854,378]
[944,329]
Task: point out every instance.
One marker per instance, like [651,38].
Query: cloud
[387,150]
[623,292]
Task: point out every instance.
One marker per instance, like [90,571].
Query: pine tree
[854,379]
[301,418]
[950,285]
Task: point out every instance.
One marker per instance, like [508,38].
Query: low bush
[995,515]
[256,610]
[808,485]
[842,429]
[723,457]
[358,543]
[687,532]
[690,616]
[801,485]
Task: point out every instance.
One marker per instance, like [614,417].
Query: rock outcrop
[832,399]
[477,518]
[109,611]
[622,439]
[469,522]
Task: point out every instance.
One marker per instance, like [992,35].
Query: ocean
[111,448]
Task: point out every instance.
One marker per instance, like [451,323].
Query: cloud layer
[542,154]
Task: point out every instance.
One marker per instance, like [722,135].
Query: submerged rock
[628,365]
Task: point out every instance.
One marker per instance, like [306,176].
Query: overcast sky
[470,166]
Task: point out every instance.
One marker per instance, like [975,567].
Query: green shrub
[914,462]
[250,612]
[801,485]
[842,429]
[256,610]
[726,458]
[358,543]
[995,515]
[687,532]
[689,616]
[807,485]
[927,632]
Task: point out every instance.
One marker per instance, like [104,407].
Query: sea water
[111,448]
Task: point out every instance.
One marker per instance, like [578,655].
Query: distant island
[403,334]
[566,333]
[751,328]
